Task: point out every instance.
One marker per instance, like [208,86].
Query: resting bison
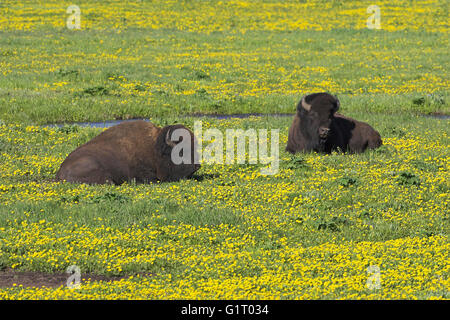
[316,127]
[136,150]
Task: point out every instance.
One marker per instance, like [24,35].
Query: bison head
[177,146]
[316,112]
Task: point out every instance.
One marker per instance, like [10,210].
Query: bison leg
[85,170]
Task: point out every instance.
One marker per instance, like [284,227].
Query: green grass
[395,193]
[309,232]
[157,73]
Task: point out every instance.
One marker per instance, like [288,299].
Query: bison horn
[169,140]
[305,105]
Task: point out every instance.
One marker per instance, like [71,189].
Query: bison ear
[303,105]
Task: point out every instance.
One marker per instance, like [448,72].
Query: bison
[130,151]
[317,127]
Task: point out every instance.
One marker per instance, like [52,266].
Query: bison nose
[323,132]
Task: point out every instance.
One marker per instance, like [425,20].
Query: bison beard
[317,113]
[131,151]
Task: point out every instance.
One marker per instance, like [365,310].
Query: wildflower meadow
[373,225]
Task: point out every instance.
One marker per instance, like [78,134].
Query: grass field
[133,60]
[312,231]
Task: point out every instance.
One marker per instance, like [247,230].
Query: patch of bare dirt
[9,277]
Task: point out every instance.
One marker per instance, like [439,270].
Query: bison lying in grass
[317,127]
[136,150]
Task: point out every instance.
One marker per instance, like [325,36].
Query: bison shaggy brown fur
[130,151]
[317,127]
